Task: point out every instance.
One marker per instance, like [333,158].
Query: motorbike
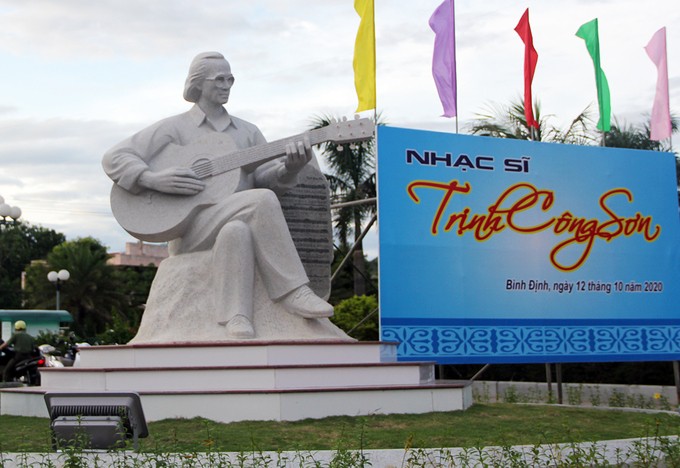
[55,358]
[52,356]
[26,371]
[63,354]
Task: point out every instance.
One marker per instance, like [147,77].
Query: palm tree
[508,121]
[90,294]
[351,178]
[638,137]
[624,135]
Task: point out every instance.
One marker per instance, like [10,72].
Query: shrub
[358,317]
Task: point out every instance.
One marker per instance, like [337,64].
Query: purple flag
[661,113]
[443,24]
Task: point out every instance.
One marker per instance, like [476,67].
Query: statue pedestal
[182,307]
[229,381]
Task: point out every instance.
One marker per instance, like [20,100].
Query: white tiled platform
[230,381]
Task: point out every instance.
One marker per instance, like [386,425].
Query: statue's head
[198,70]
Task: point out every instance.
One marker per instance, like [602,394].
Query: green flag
[588,32]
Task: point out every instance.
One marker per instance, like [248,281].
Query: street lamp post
[57,279]
[8,214]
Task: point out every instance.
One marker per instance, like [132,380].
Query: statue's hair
[197,71]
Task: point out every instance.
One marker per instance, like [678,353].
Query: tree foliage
[19,245]
[343,284]
[358,317]
[624,135]
[508,121]
[91,294]
[134,283]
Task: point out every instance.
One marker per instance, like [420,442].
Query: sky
[79,76]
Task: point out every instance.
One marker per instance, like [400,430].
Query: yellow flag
[364,55]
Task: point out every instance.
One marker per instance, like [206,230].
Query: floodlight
[98,421]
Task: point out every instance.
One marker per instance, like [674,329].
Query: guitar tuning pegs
[339,148]
[353,147]
[357,116]
[344,118]
[364,145]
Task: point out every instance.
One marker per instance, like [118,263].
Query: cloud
[7,109]
[109,27]
[52,170]
[27,142]
[7,181]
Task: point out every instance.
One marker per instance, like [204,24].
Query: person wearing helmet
[23,347]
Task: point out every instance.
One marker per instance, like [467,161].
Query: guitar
[159,217]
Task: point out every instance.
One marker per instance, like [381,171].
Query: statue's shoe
[303,302]
[239,327]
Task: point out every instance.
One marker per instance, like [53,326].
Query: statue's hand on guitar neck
[298,154]
[174,180]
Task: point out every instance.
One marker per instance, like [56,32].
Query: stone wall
[630,396]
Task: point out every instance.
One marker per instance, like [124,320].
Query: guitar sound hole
[202,167]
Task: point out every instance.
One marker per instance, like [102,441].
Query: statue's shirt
[126,161]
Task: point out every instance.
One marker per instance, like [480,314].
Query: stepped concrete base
[275,406]
[227,381]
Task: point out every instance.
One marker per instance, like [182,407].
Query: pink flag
[661,111]
[530,58]
[443,24]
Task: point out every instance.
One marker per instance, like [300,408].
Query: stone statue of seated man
[238,223]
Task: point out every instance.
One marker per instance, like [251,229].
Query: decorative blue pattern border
[533,341]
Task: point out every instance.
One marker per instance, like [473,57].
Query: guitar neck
[263,153]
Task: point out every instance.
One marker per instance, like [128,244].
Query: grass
[481,425]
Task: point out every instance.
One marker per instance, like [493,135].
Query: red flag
[530,58]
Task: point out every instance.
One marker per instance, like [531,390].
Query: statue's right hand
[175,180]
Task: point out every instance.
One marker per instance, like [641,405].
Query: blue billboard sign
[508,251]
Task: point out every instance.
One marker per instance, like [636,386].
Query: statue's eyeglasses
[222,80]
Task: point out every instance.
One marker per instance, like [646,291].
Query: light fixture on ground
[57,278]
[98,421]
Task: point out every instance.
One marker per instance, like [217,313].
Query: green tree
[508,121]
[358,317]
[19,245]
[91,294]
[119,331]
[624,135]
[135,283]
[351,178]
